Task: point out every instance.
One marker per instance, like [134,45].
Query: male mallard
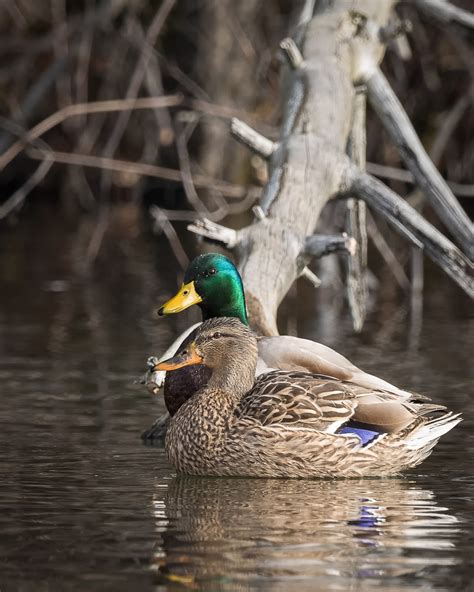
[213,283]
[290,424]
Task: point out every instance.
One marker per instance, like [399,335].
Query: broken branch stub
[215,232]
[292,53]
[251,138]
[320,245]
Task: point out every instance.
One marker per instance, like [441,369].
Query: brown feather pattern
[285,423]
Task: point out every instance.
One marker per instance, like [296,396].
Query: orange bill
[187,357]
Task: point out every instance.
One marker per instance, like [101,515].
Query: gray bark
[356,225]
[396,122]
[340,47]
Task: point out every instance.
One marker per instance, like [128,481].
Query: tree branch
[445,12]
[398,125]
[319,245]
[215,232]
[251,138]
[136,168]
[309,166]
[355,224]
[396,174]
[292,53]
[85,108]
[413,226]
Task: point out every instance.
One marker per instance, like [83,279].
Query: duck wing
[297,400]
[285,352]
[314,401]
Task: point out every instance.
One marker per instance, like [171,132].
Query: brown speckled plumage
[285,423]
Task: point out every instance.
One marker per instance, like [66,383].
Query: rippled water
[84,505]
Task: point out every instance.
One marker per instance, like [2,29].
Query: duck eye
[212,271]
[217,335]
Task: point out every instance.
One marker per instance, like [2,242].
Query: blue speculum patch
[366,435]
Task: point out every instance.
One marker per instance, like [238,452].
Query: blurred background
[93,215]
[92,177]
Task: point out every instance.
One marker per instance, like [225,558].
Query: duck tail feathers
[428,433]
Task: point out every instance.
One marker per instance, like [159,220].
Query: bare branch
[355,224]
[395,29]
[251,138]
[445,12]
[311,277]
[258,212]
[137,168]
[81,109]
[413,226]
[35,94]
[450,121]
[320,245]
[138,75]
[387,253]
[163,223]
[185,167]
[292,53]
[20,194]
[400,128]
[396,174]
[215,232]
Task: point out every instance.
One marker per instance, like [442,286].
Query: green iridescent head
[213,283]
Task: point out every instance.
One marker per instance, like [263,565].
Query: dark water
[85,506]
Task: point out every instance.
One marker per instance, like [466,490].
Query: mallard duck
[290,424]
[213,283]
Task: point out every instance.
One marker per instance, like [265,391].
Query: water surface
[84,505]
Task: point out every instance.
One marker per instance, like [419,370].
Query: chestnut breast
[181,384]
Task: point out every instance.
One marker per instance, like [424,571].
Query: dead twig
[17,198]
[162,221]
[138,76]
[86,108]
[396,174]
[387,254]
[137,168]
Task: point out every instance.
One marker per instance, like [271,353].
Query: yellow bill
[185,297]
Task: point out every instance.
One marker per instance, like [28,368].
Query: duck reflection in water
[239,534]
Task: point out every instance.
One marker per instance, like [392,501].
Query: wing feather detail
[298,400]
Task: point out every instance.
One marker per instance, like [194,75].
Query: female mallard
[290,424]
[213,283]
